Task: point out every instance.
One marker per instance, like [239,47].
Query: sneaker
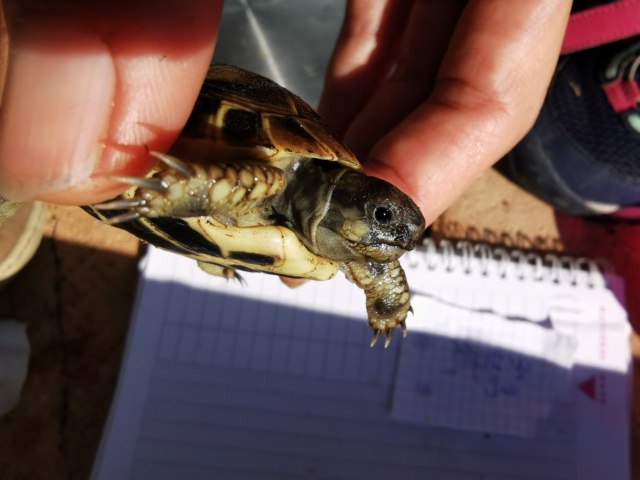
[583,154]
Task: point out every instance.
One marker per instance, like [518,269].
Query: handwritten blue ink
[497,372]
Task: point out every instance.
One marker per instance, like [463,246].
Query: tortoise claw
[122,204]
[232,275]
[387,335]
[403,325]
[125,217]
[376,334]
[387,339]
[172,162]
[148,183]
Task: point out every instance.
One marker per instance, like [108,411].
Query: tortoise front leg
[385,286]
[228,191]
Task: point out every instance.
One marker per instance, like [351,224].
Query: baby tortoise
[263,184]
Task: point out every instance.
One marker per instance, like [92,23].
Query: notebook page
[224,381]
[502,352]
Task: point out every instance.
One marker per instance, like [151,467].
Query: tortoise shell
[244,115]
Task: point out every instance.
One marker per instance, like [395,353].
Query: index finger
[487,94]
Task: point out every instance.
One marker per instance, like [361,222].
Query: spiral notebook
[515,366]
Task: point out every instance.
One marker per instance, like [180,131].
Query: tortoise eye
[382,215]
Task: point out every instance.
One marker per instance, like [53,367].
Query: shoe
[583,154]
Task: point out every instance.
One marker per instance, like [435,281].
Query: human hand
[430,93]
[89,86]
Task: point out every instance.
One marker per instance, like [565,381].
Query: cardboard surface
[75,297]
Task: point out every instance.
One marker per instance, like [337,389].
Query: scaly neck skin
[346,216]
[306,201]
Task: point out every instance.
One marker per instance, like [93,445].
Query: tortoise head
[368,218]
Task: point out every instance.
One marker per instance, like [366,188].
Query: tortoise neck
[306,200]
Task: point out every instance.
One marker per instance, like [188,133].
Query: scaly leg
[232,192]
[221,271]
[385,286]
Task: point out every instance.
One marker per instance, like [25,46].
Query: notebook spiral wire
[517,264]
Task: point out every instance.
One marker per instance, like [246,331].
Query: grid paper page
[490,345]
[505,351]
[223,381]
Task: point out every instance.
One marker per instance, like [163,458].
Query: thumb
[90,86]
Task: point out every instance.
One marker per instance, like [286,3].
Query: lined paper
[263,382]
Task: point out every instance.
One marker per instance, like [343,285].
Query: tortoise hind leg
[221,271]
[228,191]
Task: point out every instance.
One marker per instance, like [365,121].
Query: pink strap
[602,24]
[623,94]
[627,213]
